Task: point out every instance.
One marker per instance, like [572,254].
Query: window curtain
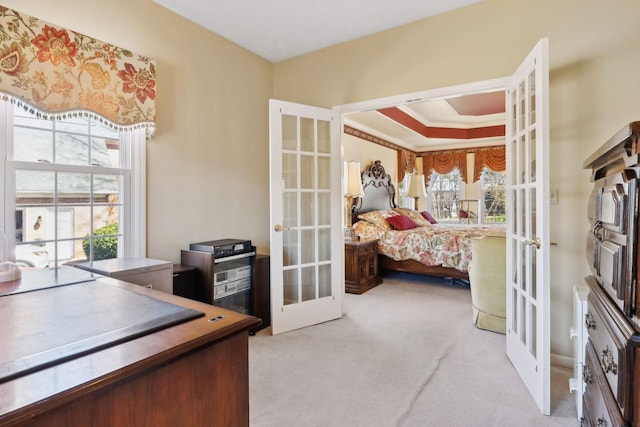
[406,163]
[443,162]
[493,158]
[59,73]
[132,151]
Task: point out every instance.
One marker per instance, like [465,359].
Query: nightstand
[361,271]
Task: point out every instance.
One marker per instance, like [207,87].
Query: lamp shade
[416,187]
[353,180]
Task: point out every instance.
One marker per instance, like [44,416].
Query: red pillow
[401,222]
[426,215]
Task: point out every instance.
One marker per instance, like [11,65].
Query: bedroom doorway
[528,303]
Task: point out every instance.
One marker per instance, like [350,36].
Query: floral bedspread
[448,245]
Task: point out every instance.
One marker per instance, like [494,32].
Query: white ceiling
[281,29]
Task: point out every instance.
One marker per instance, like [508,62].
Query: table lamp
[417,189]
[353,189]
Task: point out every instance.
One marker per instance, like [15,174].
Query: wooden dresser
[361,270]
[190,373]
[611,365]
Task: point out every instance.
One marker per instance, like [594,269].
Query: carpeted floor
[404,354]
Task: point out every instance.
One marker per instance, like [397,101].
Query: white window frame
[132,224]
[432,192]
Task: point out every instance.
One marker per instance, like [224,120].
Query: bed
[432,249]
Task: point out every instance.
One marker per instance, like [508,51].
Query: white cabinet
[148,272]
[579,335]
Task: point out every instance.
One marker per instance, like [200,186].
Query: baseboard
[560,361]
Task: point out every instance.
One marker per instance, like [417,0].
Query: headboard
[379,192]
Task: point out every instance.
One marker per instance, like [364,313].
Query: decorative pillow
[401,222]
[414,216]
[428,217]
[378,218]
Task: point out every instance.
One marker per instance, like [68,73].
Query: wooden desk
[193,373]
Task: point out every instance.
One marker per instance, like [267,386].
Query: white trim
[560,361]
[425,95]
[133,150]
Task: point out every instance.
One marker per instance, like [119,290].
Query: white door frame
[432,94]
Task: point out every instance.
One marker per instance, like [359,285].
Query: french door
[528,302]
[305,216]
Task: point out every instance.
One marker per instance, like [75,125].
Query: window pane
[307,172]
[324,285]
[306,135]
[78,125]
[444,192]
[72,149]
[289,132]
[34,187]
[106,188]
[324,136]
[74,187]
[290,286]
[308,283]
[493,195]
[105,152]
[32,145]
[307,209]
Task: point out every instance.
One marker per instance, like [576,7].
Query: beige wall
[366,153]
[594,61]
[207,164]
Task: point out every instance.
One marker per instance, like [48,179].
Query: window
[493,195]
[444,195]
[69,189]
[403,188]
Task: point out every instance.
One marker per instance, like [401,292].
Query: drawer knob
[608,364]
[586,375]
[589,322]
[601,422]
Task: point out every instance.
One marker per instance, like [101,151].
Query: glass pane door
[306,251]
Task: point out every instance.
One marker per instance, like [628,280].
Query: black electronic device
[223,247]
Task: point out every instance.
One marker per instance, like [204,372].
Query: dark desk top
[70,298]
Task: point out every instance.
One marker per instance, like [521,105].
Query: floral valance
[58,73]
[493,158]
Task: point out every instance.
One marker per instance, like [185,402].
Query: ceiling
[457,122]
[280,29]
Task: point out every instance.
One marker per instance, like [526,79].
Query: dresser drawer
[608,346]
[600,407]
[614,345]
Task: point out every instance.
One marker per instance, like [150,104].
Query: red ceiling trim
[406,120]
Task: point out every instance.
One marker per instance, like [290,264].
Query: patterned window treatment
[493,158]
[59,73]
[443,162]
[406,163]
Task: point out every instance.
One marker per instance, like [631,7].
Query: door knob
[279,228]
[535,243]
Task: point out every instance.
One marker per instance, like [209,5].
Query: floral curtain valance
[493,158]
[59,73]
